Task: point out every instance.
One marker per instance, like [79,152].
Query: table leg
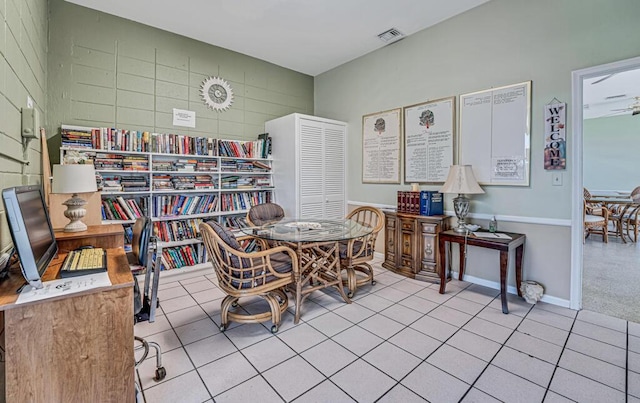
[519,255]
[504,262]
[463,260]
[443,266]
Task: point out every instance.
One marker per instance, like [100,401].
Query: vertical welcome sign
[555,136]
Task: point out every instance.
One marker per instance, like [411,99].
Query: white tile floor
[399,340]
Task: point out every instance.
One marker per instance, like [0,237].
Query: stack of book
[229,182]
[76,137]
[134,183]
[111,184]
[185,165]
[204,182]
[206,165]
[162,166]
[135,163]
[228,165]
[108,162]
[183,182]
[162,182]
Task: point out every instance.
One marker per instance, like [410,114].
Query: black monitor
[31,230]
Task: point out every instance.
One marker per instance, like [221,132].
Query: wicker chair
[264,273]
[356,253]
[592,208]
[265,213]
[596,224]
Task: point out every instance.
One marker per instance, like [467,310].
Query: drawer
[429,228]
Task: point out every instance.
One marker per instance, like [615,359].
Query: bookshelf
[178,181]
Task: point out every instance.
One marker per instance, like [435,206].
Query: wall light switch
[556,179]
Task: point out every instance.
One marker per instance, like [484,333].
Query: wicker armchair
[356,253]
[261,214]
[240,274]
[592,208]
[596,224]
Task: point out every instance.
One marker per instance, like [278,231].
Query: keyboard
[84,261]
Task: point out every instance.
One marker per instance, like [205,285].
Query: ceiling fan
[603,78]
[634,108]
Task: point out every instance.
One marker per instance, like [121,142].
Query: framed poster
[381,147]
[429,133]
[495,134]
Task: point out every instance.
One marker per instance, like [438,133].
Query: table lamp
[461,180]
[74,179]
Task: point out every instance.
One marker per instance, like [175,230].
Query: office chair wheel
[274,329]
[161,373]
[373,282]
[223,327]
[350,294]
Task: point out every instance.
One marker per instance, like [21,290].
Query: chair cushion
[265,213]
[593,218]
[344,248]
[230,239]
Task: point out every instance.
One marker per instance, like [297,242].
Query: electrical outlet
[556,179]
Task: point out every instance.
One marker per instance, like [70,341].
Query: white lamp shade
[74,178]
[461,180]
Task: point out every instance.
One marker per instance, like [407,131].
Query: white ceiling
[611,95]
[308,36]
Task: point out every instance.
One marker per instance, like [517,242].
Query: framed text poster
[381,147]
[495,134]
[429,133]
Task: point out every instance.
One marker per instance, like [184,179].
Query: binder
[431,203]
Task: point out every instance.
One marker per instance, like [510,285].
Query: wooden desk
[74,348]
[516,243]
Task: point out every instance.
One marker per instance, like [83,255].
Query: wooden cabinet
[309,165]
[411,245]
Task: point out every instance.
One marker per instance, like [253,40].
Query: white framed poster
[381,146]
[429,135]
[495,134]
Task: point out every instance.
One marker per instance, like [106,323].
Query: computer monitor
[31,230]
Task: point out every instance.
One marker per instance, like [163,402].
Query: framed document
[429,134]
[381,146]
[495,134]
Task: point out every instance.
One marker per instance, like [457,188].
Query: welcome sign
[555,136]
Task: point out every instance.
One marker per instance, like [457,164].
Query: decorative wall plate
[216,93]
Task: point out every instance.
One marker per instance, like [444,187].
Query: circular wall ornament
[216,93]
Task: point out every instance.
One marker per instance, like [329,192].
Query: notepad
[491,235]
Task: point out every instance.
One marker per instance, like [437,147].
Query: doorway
[578,79]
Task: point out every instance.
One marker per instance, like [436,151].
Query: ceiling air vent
[390,35]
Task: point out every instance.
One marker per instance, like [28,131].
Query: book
[431,203]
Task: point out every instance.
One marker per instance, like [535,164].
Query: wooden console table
[73,348]
[505,246]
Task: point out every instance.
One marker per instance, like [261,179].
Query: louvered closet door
[334,171]
[311,169]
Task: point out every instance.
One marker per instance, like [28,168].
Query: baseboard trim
[512,289]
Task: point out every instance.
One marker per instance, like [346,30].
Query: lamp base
[75,212]
[461,207]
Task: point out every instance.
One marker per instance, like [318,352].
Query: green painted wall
[610,150]
[109,71]
[23,73]
[498,43]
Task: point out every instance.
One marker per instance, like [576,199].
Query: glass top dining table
[309,230]
[317,242]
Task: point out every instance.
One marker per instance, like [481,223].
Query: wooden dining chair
[355,254]
[240,274]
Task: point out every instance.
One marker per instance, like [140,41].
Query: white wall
[610,150]
[499,43]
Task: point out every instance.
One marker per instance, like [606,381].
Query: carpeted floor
[611,278]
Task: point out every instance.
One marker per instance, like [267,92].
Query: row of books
[180,256]
[177,230]
[420,203]
[244,149]
[173,205]
[119,208]
[107,138]
[235,221]
[243,200]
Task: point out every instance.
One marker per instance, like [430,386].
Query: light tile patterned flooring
[399,340]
